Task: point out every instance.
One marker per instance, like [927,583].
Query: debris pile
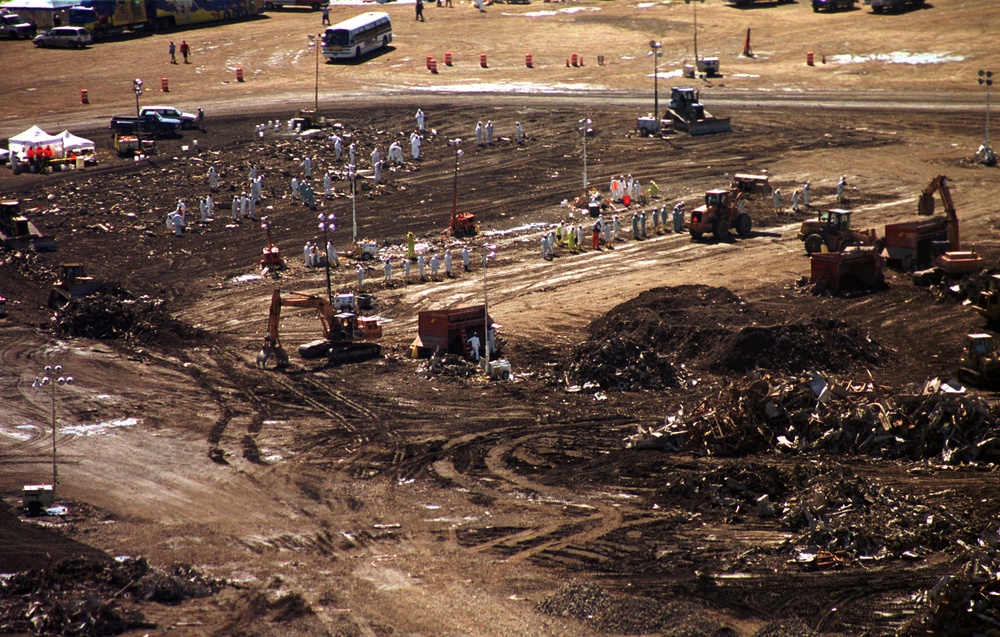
[82,596]
[114,314]
[625,614]
[763,412]
[664,334]
[964,603]
[448,365]
[835,517]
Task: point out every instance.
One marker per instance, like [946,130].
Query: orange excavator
[344,333]
[955,261]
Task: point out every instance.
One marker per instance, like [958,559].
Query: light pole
[314,41]
[585,125]
[137,89]
[352,174]
[695,3]
[988,157]
[326,222]
[457,143]
[655,51]
[489,252]
[52,377]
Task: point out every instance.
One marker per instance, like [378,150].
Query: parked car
[188,120]
[12,26]
[832,5]
[71,37]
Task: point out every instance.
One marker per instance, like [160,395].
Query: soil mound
[665,333]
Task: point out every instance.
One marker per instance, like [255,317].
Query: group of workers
[484,134]
[605,233]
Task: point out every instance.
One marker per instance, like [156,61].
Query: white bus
[356,36]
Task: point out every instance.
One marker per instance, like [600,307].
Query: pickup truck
[152,123]
[12,26]
[832,5]
[880,6]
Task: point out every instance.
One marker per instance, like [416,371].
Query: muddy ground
[384,499]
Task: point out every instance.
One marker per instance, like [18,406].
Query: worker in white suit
[414,146]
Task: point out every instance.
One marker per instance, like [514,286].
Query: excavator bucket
[925,205]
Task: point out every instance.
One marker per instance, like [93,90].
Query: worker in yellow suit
[411,243]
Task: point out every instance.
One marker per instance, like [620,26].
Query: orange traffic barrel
[83,96]
[809,58]
[239,73]
[164,85]
[572,59]
[447,58]
[429,58]
[432,65]
[527,61]
[482,60]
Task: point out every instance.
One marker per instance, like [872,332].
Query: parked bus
[354,37]
[108,17]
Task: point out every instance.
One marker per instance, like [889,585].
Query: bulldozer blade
[709,126]
[353,353]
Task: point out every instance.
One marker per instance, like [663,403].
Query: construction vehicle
[751,185]
[271,258]
[980,364]
[955,260]
[880,6]
[720,212]
[74,284]
[105,18]
[344,333]
[910,244]
[689,114]
[832,230]
[17,233]
[988,301]
[853,267]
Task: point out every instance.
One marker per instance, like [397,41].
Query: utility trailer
[855,267]
[449,330]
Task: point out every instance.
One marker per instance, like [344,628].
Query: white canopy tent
[34,137]
[41,12]
[74,144]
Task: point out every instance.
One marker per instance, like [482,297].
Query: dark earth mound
[667,333]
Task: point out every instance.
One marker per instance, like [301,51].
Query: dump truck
[689,114]
[832,230]
[346,336]
[720,212]
[855,267]
[18,233]
[980,366]
[74,284]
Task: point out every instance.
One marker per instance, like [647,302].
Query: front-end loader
[720,212]
[832,229]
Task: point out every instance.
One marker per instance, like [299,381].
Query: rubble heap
[81,596]
[964,603]
[664,333]
[762,412]
[626,614]
[834,516]
[113,313]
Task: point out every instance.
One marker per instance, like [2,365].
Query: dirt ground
[383,498]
